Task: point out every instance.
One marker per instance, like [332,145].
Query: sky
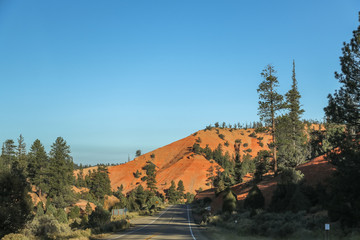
[111,77]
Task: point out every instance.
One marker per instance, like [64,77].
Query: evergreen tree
[181,189]
[254,199]
[290,135]
[100,183]
[60,172]
[270,102]
[343,108]
[138,153]
[229,201]
[38,166]
[150,169]
[15,202]
[140,196]
[21,154]
[238,172]
[8,153]
[171,193]
[210,176]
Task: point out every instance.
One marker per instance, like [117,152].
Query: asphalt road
[174,222]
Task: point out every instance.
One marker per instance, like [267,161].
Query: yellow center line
[151,236]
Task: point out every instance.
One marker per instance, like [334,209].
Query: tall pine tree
[290,135]
[270,103]
[344,108]
[21,156]
[61,175]
[38,166]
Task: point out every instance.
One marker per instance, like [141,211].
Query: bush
[245,145]
[15,236]
[253,135]
[74,212]
[222,136]
[46,227]
[229,201]
[99,217]
[226,144]
[237,140]
[254,199]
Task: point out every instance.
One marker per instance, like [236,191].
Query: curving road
[173,223]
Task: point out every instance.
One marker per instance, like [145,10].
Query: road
[174,222]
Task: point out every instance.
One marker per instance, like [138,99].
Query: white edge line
[117,237]
[189,222]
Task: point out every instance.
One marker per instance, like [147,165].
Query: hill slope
[176,161]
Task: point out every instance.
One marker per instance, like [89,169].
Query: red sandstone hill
[176,161]
[318,170]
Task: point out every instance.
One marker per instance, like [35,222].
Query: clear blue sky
[112,77]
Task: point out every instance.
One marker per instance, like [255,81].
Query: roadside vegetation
[296,210]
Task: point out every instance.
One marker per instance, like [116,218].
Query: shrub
[253,135]
[229,201]
[46,227]
[238,141]
[198,140]
[261,130]
[99,217]
[15,236]
[261,144]
[74,212]
[222,136]
[226,143]
[245,144]
[254,199]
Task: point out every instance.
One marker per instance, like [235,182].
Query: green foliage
[247,165]
[8,153]
[150,169]
[255,199]
[15,203]
[140,196]
[289,197]
[152,156]
[253,135]
[172,193]
[238,170]
[74,212]
[88,209]
[229,201]
[221,136]
[291,176]
[99,217]
[198,140]
[180,189]
[138,153]
[343,108]
[60,178]
[262,164]
[226,144]
[61,216]
[99,184]
[237,140]
[137,174]
[47,227]
[40,209]
[245,145]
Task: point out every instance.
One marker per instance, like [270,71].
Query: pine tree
[270,103]
[150,169]
[8,153]
[60,172]
[140,196]
[15,202]
[38,166]
[21,157]
[238,172]
[100,183]
[171,193]
[343,108]
[290,135]
[181,189]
